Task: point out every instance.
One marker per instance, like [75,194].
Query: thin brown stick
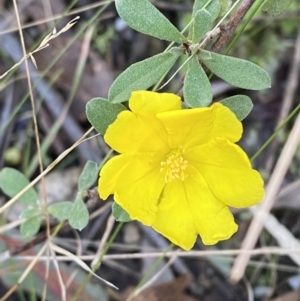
[229,28]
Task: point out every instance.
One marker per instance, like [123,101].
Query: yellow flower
[179,169]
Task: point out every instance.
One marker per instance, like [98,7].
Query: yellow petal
[139,187]
[140,130]
[129,133]
[109,174]
[213,220]
[194,127]
[146,103]
[174,218]
[227,172]
[188,207]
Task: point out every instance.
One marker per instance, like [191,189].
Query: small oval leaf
[213,7]
[177,51]
[28,213]
[31,227]
[196,89]
[88,176]
[119,213]
[240,105]
[201,25]
[12,182]
[79,215]
[140,76]
[275,7]
[61,210]
[237,72]
[101,113]
[144,17]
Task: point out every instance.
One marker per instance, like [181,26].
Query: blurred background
[81,64]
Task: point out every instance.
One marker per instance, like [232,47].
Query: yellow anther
[174,166]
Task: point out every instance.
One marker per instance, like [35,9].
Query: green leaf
[33,222]
[119,213]
[225,5]
[212,6]
[61,210]
[28,213]
[237,72]
[101,113]
[79,215]
[177,51]
[143,16]
[31,227]
[196,89]
[12,182]
[275,7]
[140,76]
[240,105]
[88,176]
[201,25]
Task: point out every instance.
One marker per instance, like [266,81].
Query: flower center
[174,166]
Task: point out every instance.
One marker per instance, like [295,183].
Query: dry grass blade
[44,44]
[54,34]
[34,118]
[109,226]
[11,225]
[183,254]
[56,17]
[60,280]
[44,293]
[80,263]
